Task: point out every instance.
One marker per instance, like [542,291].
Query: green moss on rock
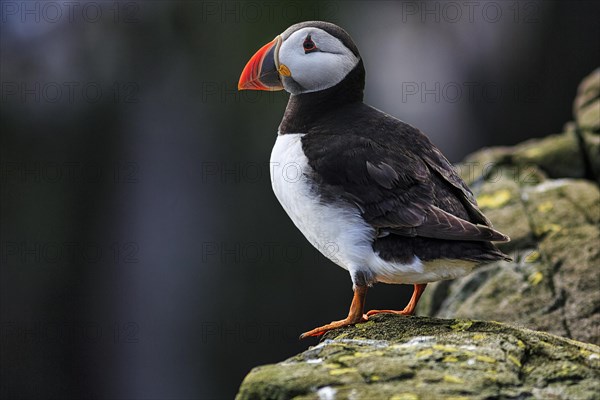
[425,358]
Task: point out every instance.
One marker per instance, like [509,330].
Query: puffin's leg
[410,307]
[355,315]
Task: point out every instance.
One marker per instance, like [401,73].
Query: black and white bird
[373,194]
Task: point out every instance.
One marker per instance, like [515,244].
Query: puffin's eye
[309,45]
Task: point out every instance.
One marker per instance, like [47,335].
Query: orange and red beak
[261,72]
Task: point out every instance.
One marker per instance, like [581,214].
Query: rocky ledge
[410,358]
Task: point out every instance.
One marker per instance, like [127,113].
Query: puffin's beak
[260,73]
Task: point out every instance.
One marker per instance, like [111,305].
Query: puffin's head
[307,57]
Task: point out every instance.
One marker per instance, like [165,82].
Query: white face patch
[316,70]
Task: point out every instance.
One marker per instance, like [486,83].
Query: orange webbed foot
[334,325]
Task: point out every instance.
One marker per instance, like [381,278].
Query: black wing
[397,177]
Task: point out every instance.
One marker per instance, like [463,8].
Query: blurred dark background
[143,253]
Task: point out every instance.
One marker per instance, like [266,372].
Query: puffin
[369,191]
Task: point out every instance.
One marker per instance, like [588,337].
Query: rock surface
[544,194]
[401,358]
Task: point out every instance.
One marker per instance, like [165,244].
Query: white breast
[337,230]
[334,230]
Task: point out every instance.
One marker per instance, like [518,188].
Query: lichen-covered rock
[587,117]
[536,192]
[587,103]
[396,357]
[553,284]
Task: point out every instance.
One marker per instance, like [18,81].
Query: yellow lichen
[532,257]
[585,352]
[365,324]
[485,359]
[514,360]
[442,347]
[494,200]
[405,396]
[546,228]
[424,353]
[332,365]
[532,152]
[535,278]
[461,325]
[375,378]
[520,344]
[568,368]
[342,371]
[346,358]
[359,354]
[545,206]
[450,359]
[452,379]
[478,336]
[377,353]
[528,369]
